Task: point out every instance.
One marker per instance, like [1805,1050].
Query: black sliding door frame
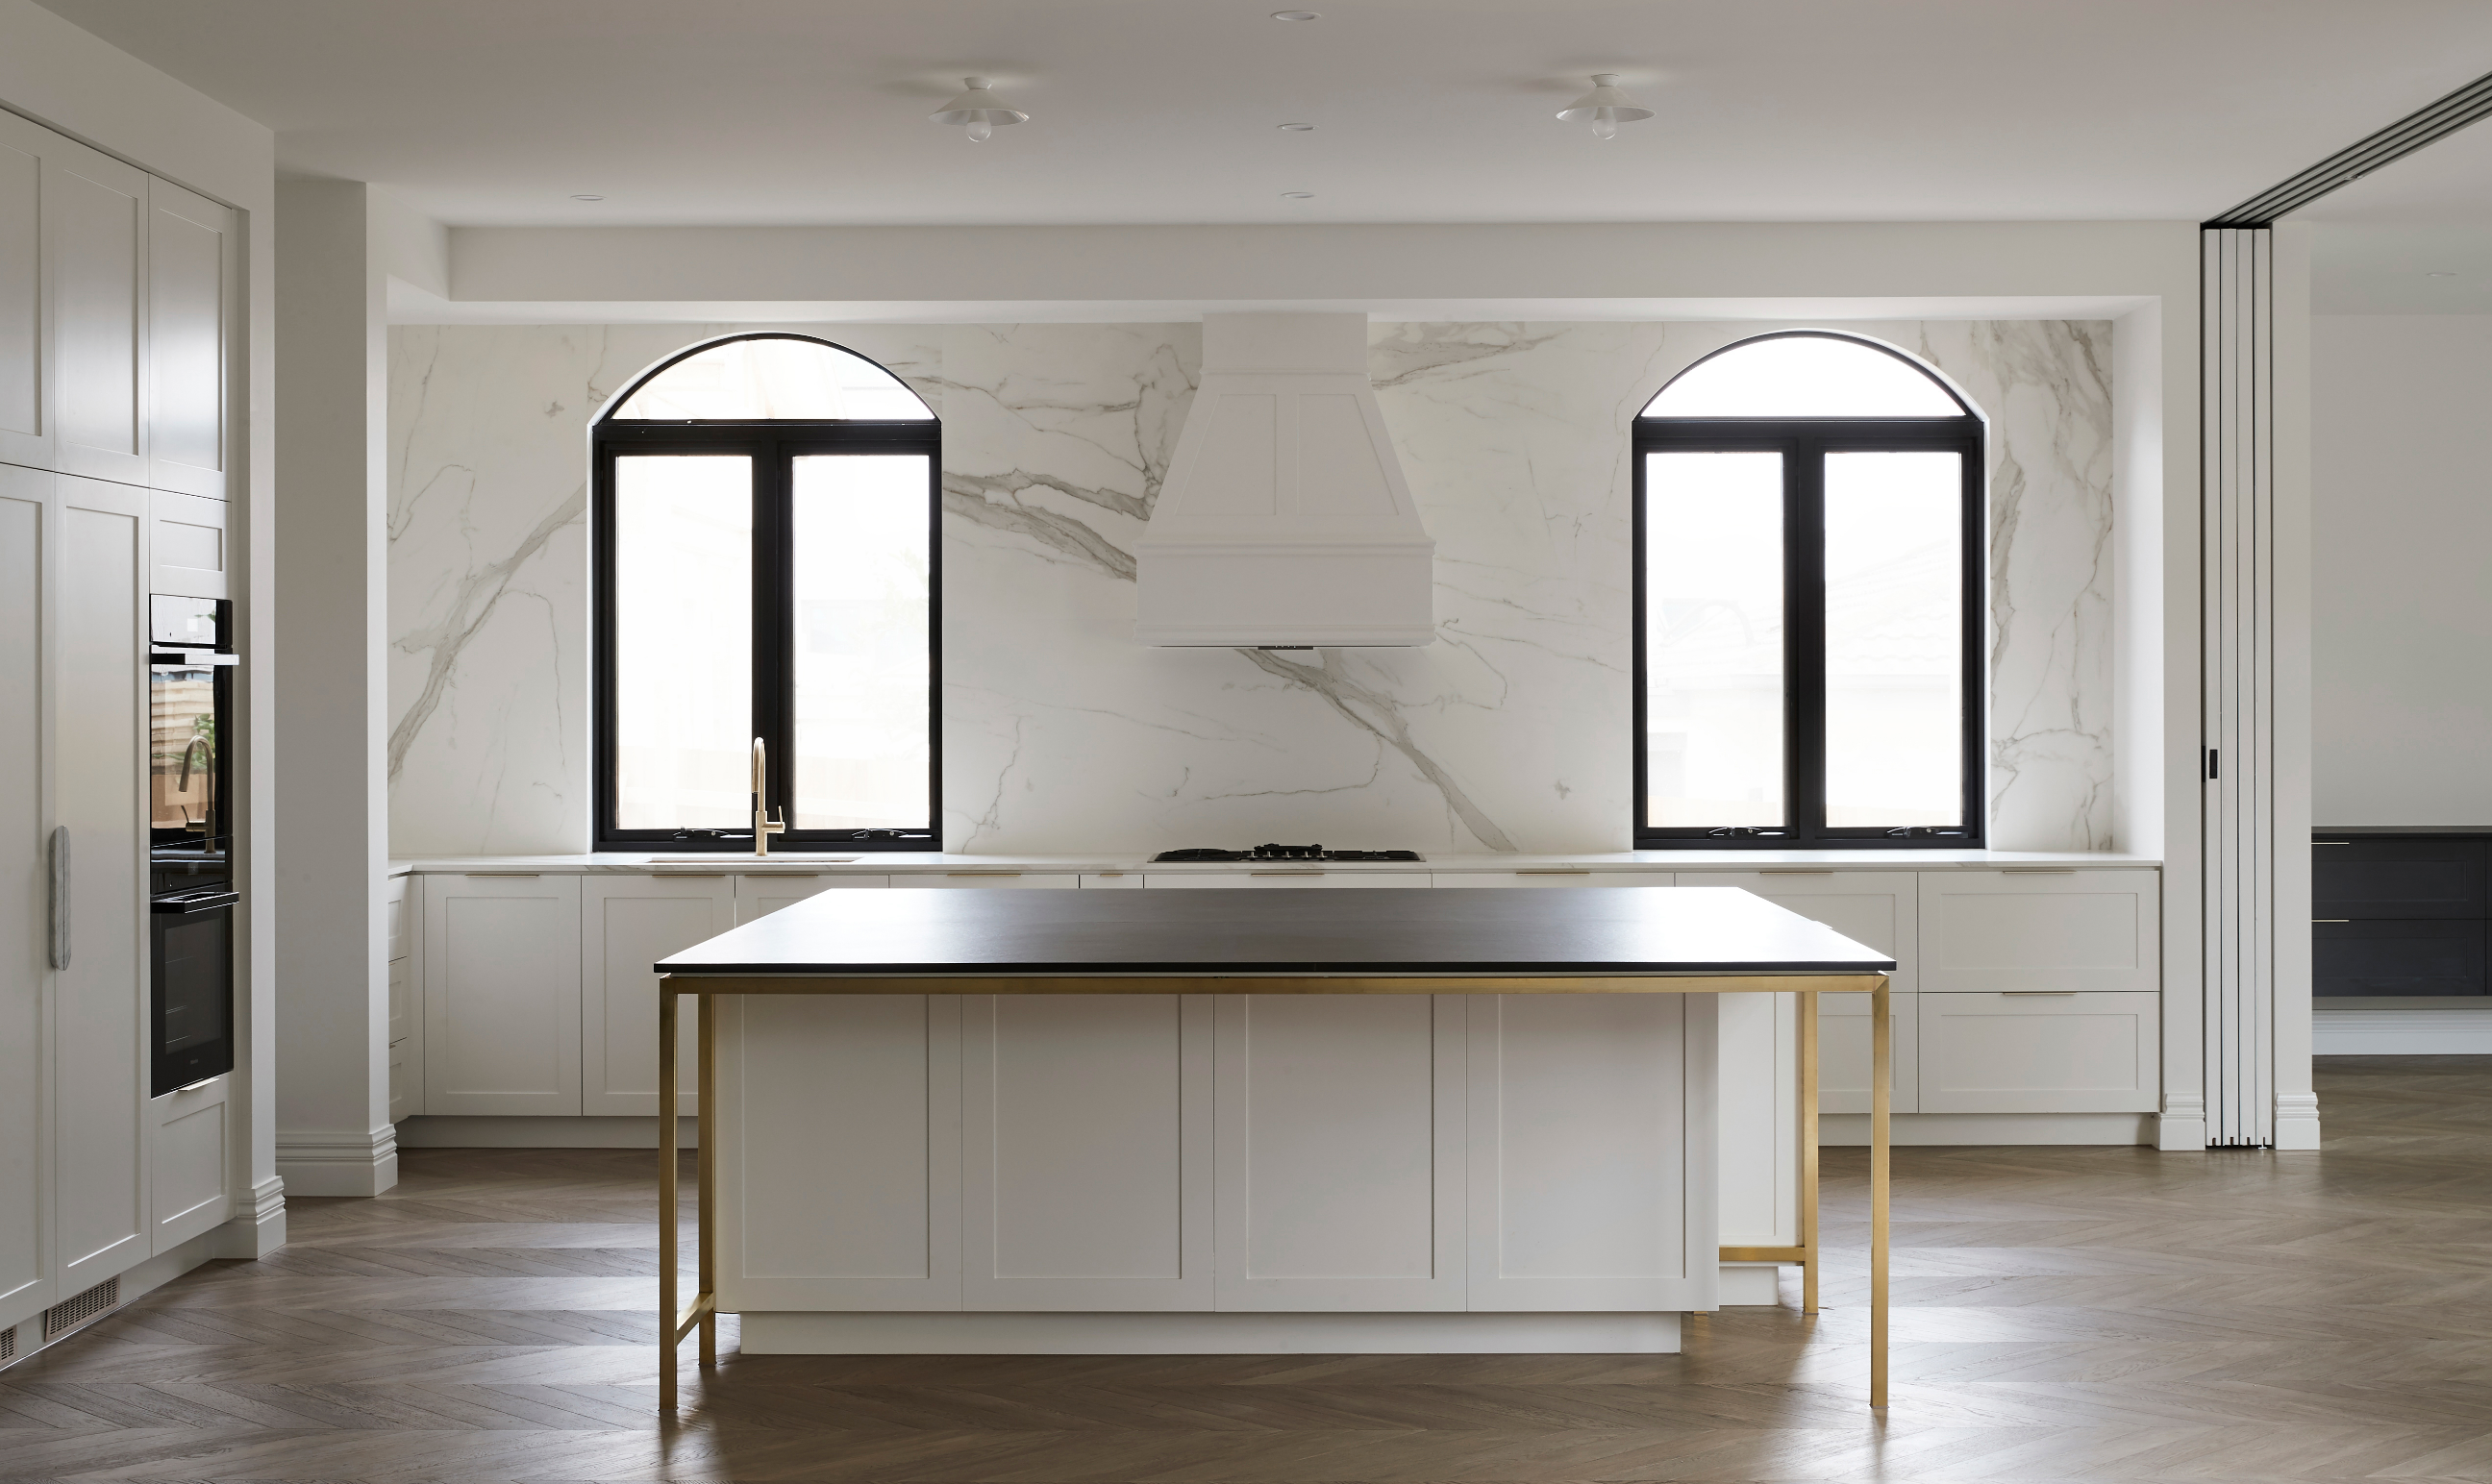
[1803,444]
[773,447]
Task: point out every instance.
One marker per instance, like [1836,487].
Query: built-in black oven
[192,894]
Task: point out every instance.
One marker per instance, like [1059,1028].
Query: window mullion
[1804,641]
[770,618]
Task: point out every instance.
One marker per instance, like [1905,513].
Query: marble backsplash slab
[1062,733]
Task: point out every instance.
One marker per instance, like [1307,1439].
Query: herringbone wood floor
[2090,1314]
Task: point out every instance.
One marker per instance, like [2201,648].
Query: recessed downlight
[1295,16]
[586,197]
[1295,128]
[1297,195]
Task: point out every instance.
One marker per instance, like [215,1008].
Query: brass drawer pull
[981,873]
[2067,994]
[2332,919]
[2038,871]
[528,875]
[1550,871]
[1285,873]
[1797,870]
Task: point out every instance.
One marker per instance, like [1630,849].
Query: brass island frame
[759,965]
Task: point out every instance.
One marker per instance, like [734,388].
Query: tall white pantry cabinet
[116,296]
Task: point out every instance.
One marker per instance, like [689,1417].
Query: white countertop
[924,862]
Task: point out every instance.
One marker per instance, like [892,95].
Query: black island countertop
[1387,932]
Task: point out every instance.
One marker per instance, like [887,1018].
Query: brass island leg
[1808,1264]
[705,1129]
[1882,1097]
[667,1331]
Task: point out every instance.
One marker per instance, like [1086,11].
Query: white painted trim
[338,1164]
[784,1333]
[2296,1120]
[2182,1128]
[259,1228]
[136,1282]
[1942,1130]
[517,1131]
[2458,1030]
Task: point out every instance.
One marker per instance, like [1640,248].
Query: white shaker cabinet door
[1877,908]
[1342,1157]
[95,212]
[626,925]
[1006,880]
[501,994]
[25,297]
[189,1184]
[99,782]
[1592,1182]
[1983,932]
[1284,877]
[758,894]
[192,269]
[2040,1051]
[1085,1151]
[25,893]
[840,1176]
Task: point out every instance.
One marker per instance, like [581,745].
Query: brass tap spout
[763,826]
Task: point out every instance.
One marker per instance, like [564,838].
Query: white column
[2256,765]
[334,1136]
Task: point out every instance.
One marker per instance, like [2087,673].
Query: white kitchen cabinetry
[25,299]
[1876,907]
[95,212]
[1592,1176]
[2040,1051]
[26,977]
[99,772]
[1982,931]
[1341,1158]
[1007,880]
[405,903]
[190,1176]
[1282,878]
[1112,880]
[192,273]
[501,993]
[188,550]
[627,924]
[1086,1151]
[758,895]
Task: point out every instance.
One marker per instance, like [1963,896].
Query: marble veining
[1509,733]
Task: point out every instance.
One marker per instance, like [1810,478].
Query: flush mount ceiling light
[1295,16]
[1297,195]
[584,197]
[1295,128]
[1604,107]
[978,109]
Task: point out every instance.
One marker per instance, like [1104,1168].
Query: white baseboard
[1923,1130]
[2392,1030]
[2296,1120]
[259,1226]
[325,1163]
[553,1133]
[855,1333]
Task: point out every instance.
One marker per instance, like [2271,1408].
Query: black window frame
[773,446]
[1803,443]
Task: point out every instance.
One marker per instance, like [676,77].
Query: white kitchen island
[1170,1133]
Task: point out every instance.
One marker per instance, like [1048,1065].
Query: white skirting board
[853,1333]
[1928,1130]
[2441,1030]
[537,1133]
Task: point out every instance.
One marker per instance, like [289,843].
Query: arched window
[1808,593]
[765,554]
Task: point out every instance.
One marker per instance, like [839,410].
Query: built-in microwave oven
[192,893]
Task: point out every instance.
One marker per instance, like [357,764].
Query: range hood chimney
[1285,521]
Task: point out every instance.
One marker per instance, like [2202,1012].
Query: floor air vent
[62,1317]
[9,1343]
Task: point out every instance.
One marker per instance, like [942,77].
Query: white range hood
[1285,521]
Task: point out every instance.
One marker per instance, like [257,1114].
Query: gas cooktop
[1288,853]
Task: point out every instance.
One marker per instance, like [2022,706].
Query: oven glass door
[192,1028]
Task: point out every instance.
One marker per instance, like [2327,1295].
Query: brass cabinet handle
[526,875]
[2067,994]
[1285,873]
[1550,871]
[982,873]
[2038,871]
[1797,870]
[2332,919]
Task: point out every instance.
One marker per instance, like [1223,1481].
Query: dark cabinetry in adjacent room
[2397,911]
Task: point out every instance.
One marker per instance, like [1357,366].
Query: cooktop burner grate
[1272,852]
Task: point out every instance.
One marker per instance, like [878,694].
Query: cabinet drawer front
[2398,879]
[2398,958]
[1553,878]
[758,895]
[1846,1060]
[991,880]
[1283,877]
[1876,907]
[2041,1052]
[1983,932]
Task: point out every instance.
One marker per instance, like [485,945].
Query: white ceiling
[496,111]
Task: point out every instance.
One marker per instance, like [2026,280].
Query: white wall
[2401,569]
[67,79]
